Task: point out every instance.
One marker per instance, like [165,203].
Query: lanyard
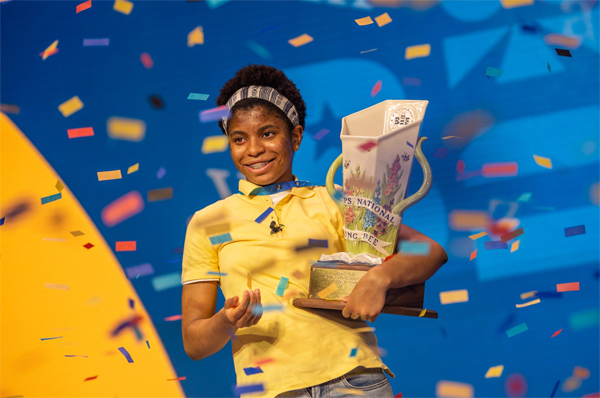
[278,187]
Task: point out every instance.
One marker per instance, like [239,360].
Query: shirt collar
[246,188]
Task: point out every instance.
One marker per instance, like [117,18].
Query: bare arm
[206,332]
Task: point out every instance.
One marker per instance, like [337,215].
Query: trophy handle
[427,180]
[329,180]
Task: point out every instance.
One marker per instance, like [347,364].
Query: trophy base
[338,305]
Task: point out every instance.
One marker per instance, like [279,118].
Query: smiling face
[261,146]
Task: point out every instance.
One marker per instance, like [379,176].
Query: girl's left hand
[367,298]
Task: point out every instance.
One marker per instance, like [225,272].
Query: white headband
[267,94]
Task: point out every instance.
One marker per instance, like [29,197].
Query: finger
[241,308]
[243,321]
[372,318]
[231,302]
[346,312]
[344,299]
[363,317]
[258,308]
[354,316]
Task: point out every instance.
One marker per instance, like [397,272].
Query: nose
[255,147]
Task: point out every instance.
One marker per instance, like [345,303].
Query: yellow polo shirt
[294,347]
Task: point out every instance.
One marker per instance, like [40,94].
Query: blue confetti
[215,240]
[583,319]
[167,281]
[248,389]
[258,49]
[409,144]
[282,286]
[131,303]
[195,96]
[318,243]
[353,352]
[264,215]
[517,329]
[493,72]
[267,308]
[495,244]
[148,344]
[216,273]
[269,28]
[126,354]
[414,248]
[574,231]
[51,198]
[252,371]
[51,338]
[215,114]
[555,388]
[2,220]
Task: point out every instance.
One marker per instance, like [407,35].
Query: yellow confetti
[516,3]
[528,294]
[217,229]
[477,236]
[364,21]
[133,169]
[454,296]
[196,36]
[581,373]
[527,304]
[383,19]
[542,161]
[327,291]
[453,389]
[59,186]
[419,51]
[121,128]
[249,282]
[123,6]
[109,175]
[364,330]
[50,50]
[300,40]
[70,106]
[451,136]
[494,371]
[350,391]
[423,312]
[515,246]
[214,143]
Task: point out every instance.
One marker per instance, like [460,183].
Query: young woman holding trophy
[258,246]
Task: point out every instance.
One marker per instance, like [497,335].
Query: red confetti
[567,287]
[556,333]
[473,255]
[367,146]
[91,378]
[178,378]
[263,361]
[147,60]
[460,167]
[506,169]
[399,395]
[80,132]
[50,53]
[388,257]
[125,246]
[122,208]
[88,246]
[376,88]
[515,385]
[83,6]
[173,318]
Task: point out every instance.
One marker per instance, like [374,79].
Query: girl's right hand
[244,314]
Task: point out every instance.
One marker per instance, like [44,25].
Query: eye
[238,140]
[268,134]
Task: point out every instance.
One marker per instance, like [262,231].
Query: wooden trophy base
[404,301]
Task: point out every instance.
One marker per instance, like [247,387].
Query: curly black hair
[263,75]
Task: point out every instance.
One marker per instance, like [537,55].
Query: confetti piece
[269,28]
[413,248]
[423,312]
[300,40]
[156,195]
[574,231]
[567,287]
[283,282]
[167,281]
[109,175]
[399,395]
[125,246]
[249,389]
[376,88]
[327,291]
[126,354]
[270,308]
[553,39]
[368,51]
[131,303]
[139,270]
[506,4]
[173,318]
[322,133]
[451,136]
[409,144]
[549,68]
[324,243]
[51,50]
[512,235]
[80,132]
[494,371]
[122,208]
[215,143]
[473,255]
[528,294]
[123,6]
[571,384]
[91,378]
[224,238]
[88,246]
[258,49]
[56,286]
[264,361]
[493,72]
[495,244]
[418,51]
[383,19]
[556,333]
[515,246]
[298,274]
[156,102]
[353,352]
[525,197]
[542,161]
[51,338]
[517,330]
[96,42]
[252,371]
[54,239]
[215,114]
[146,60]
[563,53]
[411,81]
[453,389]
[440,153]
[367,329]
[527,304]
[133,169]
[196,36]
[120,128]
[83,6]
[70,106]
[264,215]
[349,391]
[148,344]
[554,389]
[2,220]
[10,109]
[216,273]
[501,169]
[454,296]
[195,96]
[217,229]
[76,356]
[161,173]
[364,21]
[581,373]
[477,236]
[367,146]
[178,378]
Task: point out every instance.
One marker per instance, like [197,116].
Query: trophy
[378,147]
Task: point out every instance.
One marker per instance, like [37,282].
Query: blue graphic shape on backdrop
[572,24]
[526,57]
[511,141]
[476,10]
[464,52]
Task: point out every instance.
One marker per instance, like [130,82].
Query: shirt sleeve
[200,259]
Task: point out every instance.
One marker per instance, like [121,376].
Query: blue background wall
[528,110]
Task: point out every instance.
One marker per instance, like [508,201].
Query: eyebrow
[262,128]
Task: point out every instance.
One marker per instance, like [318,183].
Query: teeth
[259,165]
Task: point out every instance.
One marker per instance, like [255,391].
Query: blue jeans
[372,382]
